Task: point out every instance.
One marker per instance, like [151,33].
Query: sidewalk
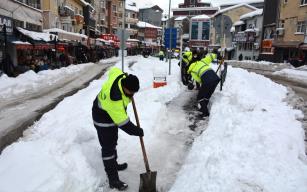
[20,112]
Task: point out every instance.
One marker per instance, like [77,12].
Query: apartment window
[194,32]
[303,2]
[205,31]
[301,27]
[114,8]
[282,23]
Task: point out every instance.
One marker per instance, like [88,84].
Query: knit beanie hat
[131,82]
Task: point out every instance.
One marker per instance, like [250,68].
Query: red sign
[199,43]
[267,44]
[109,37]
[151,33]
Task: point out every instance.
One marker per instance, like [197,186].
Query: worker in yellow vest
[109,114]
[188,57]
[203,74]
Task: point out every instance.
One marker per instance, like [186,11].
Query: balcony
[79,19]
[65,11]
[131,20]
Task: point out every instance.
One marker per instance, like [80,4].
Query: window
[300,27]
[303,2]
[205,31]
[114,8]
[281,23]
[194,32]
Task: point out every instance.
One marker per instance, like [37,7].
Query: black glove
[131,129]
[190,85]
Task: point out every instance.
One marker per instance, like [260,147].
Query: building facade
[25,14]
[270,16]
[131,17]
[194,8]
[200,31]
[290,40]
[247,36]
[222,23]
[152,15]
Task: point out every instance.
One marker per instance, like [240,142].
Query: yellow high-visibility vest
[116,109]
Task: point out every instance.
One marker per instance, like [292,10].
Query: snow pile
[251,14]
[264,65]
[297,74]
[30,81]
[253,141]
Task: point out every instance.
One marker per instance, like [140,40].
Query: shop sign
[6,21]
[267,44]
[199,43]
[240,37]
[109,37]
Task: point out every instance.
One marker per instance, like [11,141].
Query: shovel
[148,179]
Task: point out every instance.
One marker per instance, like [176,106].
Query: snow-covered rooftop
[201,17]
[57,30]
[180,18]
[237,23]
[251,14]
[234,7]
[131,5]
[38,36]
[142,24]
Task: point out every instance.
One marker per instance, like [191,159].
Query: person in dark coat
[109,114]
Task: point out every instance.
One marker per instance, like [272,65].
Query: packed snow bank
[263,65]
[298,74]
[253,142]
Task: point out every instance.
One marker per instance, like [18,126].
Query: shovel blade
[148,181]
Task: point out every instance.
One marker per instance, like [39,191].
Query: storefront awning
[303,46]
[287,44]
[37,36]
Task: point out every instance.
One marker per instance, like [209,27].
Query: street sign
[173,34]
[119,34]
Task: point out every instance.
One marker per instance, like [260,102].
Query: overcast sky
[164,4]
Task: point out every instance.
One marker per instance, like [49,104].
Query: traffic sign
[173,38]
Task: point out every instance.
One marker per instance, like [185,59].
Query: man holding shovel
[203,74]
[109,114]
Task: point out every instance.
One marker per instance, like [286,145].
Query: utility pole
[169,54]
[122,42]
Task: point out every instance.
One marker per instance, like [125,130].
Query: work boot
[118,184]
[121,167]
[203,108]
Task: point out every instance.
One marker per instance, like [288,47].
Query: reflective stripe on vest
[108,158]
[104,124]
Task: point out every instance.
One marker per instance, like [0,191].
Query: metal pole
[123,34]
[170,38]
[180,56]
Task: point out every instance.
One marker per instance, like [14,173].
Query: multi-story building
[247,35]
[131,19]
[100,16]
[291,35]
[70,15]
[270,15]
[200,31]
[151,14]
[113,18]
[22,13]
[221,25]
[194,8]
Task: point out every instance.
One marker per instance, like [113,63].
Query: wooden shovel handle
[141,138]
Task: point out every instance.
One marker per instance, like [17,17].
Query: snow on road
[251,142]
